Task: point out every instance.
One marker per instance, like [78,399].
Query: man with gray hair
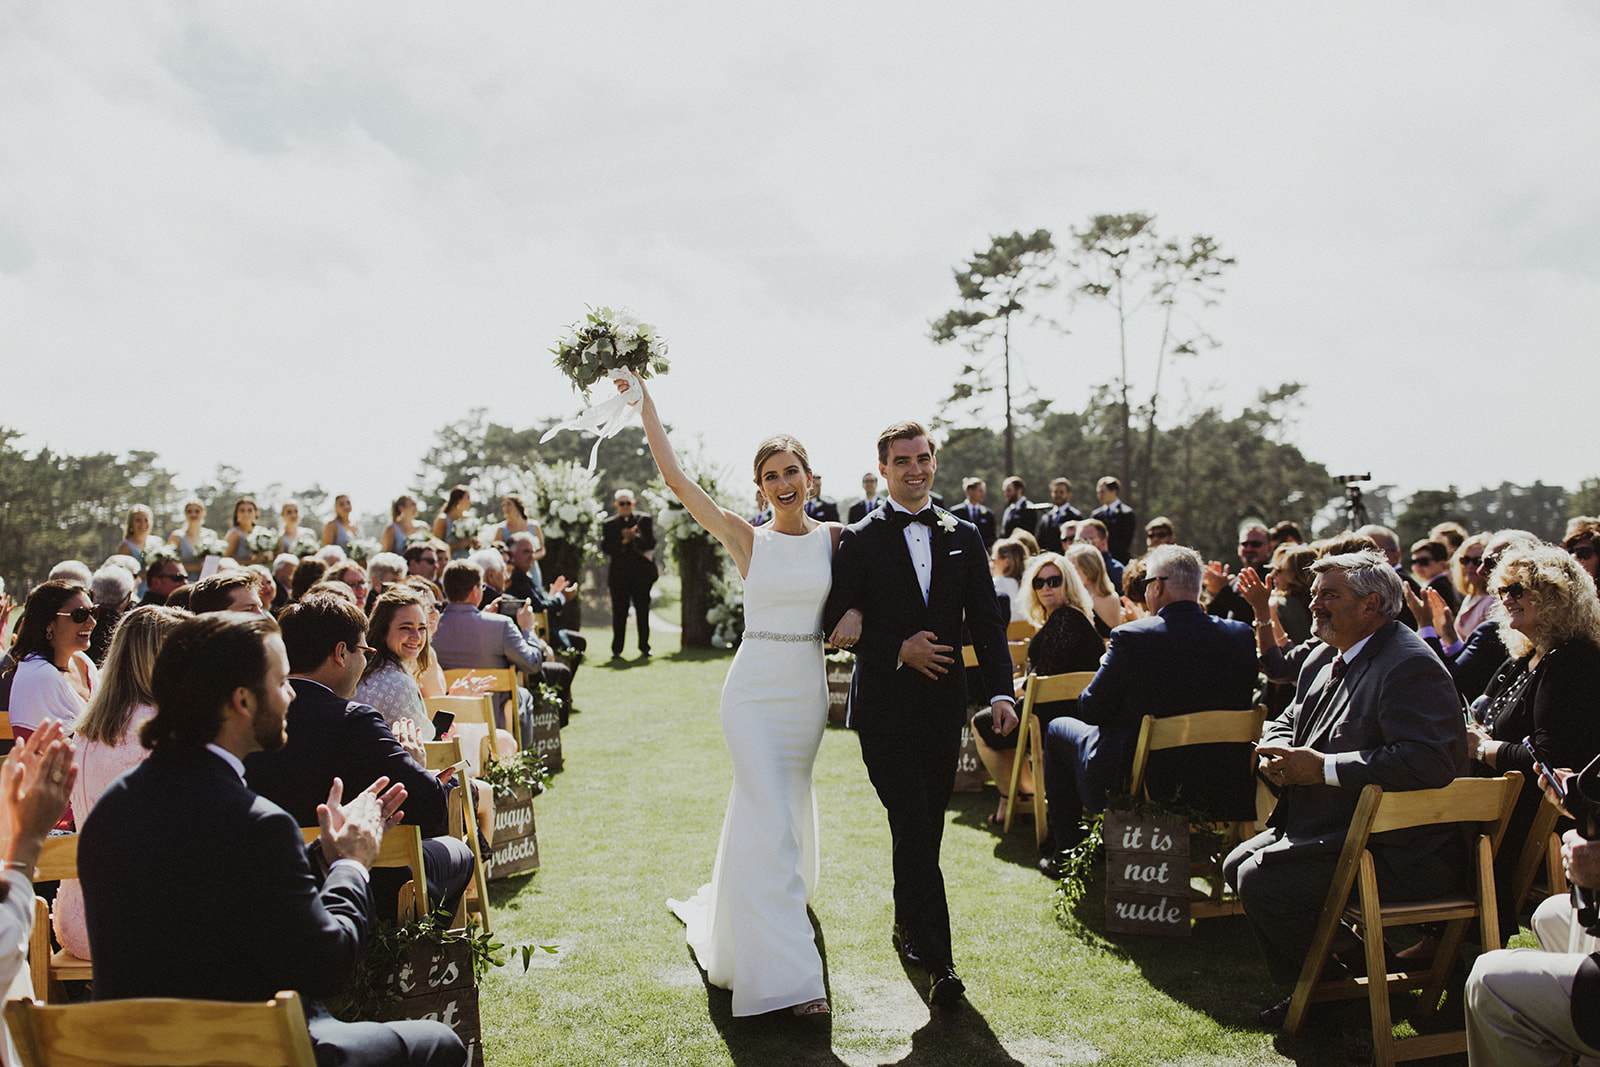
[111,589]
[1177,661]
[1372,706]
[628,540]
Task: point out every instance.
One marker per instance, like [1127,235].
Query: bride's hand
[848,632]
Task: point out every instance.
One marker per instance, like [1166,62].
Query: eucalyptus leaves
[608,342]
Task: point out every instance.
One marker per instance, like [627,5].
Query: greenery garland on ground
[374,990]
[523,771]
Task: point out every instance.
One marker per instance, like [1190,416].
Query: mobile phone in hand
[442,721]
[1557,786]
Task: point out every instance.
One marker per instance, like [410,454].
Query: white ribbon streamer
[607,418]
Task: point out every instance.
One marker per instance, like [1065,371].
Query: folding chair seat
[1038,689]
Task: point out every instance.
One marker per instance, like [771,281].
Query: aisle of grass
[634,819]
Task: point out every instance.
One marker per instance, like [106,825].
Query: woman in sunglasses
[1054,599]
[1466,571]
[1582,543]
[1547,691]
[54,676]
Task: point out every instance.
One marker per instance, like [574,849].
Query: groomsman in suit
[913,572]
[1119,519]
[869,498]
[1049,533]
[975,512]
[1373,706]
[819,507]
[196,887]
[1019,513]
[628,540]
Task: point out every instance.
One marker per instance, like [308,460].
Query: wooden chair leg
[1554,873]
[1018,756]
[1311,969]
[1041,809]
[1377,969]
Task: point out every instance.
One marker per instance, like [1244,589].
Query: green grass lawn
[634,819]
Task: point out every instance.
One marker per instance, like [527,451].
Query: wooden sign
[1147,874]
[970,772]
[437,984]
[546,736]
[838,690]
[516,840]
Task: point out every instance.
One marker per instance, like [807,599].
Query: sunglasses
[1052,581]
[1487,567]
[1512,591]
[1252,544]
[81,615]
[1422,561]
[1581,552]
[1471,561]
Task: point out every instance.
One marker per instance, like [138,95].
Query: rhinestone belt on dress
[768,635]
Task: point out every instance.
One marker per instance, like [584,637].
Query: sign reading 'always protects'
[1147,874]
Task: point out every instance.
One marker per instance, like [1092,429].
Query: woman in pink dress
[108,738]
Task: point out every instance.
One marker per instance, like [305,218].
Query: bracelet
[18,865]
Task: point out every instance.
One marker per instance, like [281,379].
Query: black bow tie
[902,519]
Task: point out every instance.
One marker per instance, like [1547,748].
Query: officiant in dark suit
[628,540]
[913,572]
[1372,705]
[196,887]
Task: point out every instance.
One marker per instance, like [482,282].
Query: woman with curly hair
[1547,691]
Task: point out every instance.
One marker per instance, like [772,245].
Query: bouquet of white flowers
[610,346]
[363,549]
[306,544]
[262,540]
[467,526]
[210,546]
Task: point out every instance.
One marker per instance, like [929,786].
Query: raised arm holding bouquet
[609,346]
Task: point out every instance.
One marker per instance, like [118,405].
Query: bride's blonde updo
[780,443]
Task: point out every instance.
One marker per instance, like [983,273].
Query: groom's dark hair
[902,431]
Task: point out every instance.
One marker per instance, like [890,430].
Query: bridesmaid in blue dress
[244,523]
[136,541]
[398,533]
[291,527]
[194,531]
[444,524]
[517,521]
[341,530]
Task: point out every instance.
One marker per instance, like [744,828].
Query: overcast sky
[298,238]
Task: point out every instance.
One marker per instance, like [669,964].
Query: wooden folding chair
[5,727]
[505,681]
[969,656]
[1541,849]
[401,847]
[1021,630]
[1485,801]
[161,1032]
[1019,656]
[470,711]
[1038,689]
[58,859]
[1201,728]
[463,824]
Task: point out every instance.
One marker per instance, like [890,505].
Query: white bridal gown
[748,926]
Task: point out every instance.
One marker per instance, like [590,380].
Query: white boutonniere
[947,521]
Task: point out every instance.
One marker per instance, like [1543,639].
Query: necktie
[903,519]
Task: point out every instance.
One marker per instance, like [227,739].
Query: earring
[50,635]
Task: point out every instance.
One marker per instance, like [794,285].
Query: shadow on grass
[1217,971]
[1019,847]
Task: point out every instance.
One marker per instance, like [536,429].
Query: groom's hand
[1005,716]
[920,654]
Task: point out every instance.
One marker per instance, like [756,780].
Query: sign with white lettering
[546,739]
[436,983]
[1147,874]
[516,840]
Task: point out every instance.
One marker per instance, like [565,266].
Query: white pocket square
[955,552]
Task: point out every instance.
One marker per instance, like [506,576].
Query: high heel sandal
[998,819]
[812,1007]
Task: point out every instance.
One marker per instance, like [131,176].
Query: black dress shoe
[947,989]
[907,948]
[1274,1017]
[1053,865]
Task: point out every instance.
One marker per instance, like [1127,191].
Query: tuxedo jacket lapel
[905,572]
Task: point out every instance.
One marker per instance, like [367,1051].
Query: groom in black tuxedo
[915,573]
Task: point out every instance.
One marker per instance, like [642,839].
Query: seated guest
[349,572]
[1286,533]
[524,585]
[165,577]
[1177,661]
[108,739]
[307,573]
[1372,705]
[198,888]
[468,638]
[1090,563]
[35,781]
[496,576]
[1290,604]
[430,676]
[283,569]
[1476,604]
[398,630]
[111,589]
[237,590]
[1093,532]
[382,569]
[1430,565]
[332,736]
[1007,560]
[1158,531]
[52,676]
[1548,689]
[1471,662]
[1055,601]
[71,570]
[422,559]
[1542,1006]
[1582,542]
[1223,598]
[266,585]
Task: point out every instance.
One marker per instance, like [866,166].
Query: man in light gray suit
[1372,705]
[469,638]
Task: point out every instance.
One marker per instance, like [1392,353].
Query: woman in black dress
[1054,598]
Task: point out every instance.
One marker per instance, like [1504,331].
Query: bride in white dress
[748,926]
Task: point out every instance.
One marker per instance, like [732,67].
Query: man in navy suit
[975,512]
[1177,661]
[1061,511]
[869,498]
[196,887]
[1019,513]
[913,572]
[819,507]
[332,736]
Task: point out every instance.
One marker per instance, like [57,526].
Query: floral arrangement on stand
[727,606]
[564,496]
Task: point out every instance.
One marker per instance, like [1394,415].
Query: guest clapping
[1582,542]
[54,676]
